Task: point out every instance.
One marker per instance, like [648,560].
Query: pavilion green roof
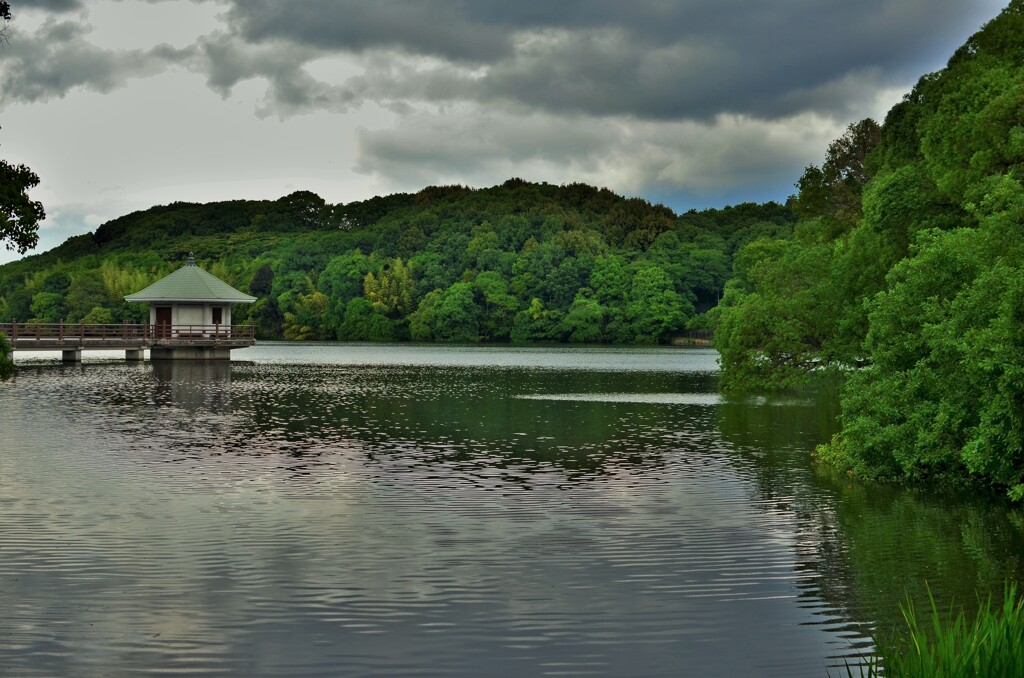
[191,284]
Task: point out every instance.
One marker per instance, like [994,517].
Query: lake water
[371,510]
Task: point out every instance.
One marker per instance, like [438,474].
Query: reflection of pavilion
[193,385]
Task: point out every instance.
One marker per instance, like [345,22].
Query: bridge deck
[82,336]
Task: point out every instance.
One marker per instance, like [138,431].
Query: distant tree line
[519,262]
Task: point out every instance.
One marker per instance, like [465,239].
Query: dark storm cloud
[426,28]
[646,58]
[49,5]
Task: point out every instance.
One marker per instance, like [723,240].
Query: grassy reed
[992,646]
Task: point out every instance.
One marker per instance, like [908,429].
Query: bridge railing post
[14,329]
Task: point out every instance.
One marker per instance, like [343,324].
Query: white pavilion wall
[193,314]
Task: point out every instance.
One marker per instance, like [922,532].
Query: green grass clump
[992,646]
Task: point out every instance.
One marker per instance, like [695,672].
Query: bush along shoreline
[6,358]
[905,272]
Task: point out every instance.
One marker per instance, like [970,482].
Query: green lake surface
[394,510]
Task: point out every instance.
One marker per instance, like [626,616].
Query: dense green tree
[47,307]
[19,305]
[6,359]
[452,315]
[584,322]
[84,293]
[430,273]
[536,323]
[452,248]
[343,276]
[562,284]
[610,279]
[499,307]
[532,269]
[57,282]
[581,242]
[832,192]
[98,315]
[654,309]
[262,282]
[363,321]
[976,130]
[391,290]
[267,319]
[778,316]
[303,209]
[424,320]
[411,241]
[306,321]
[942,395]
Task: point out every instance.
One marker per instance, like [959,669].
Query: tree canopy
[906,272]
[517,262]
[19,214]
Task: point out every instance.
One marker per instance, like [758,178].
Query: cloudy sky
[122,104]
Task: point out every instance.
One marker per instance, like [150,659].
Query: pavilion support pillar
[189,353]
[71,355]
[134,355]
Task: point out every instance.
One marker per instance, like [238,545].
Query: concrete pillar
[133,355]
[71,355]
[189,353]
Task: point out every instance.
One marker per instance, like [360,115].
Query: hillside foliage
[906,271]
[517,262]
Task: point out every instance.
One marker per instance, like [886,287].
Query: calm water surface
[366,510]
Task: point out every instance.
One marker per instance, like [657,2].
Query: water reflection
[194,385]
[872,547]
[329,518]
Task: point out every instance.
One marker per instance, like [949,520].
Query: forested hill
[908,263]
[520,262]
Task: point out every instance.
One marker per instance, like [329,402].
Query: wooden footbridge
[164,341]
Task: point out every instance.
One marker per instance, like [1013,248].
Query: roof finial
[191,260]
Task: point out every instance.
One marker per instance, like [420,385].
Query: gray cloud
[227,61]
[50,5]
[480,147]
[428,148]
[646,58]
[57,58]
[426,28]
[649,59]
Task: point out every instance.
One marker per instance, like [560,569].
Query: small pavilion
[191,310]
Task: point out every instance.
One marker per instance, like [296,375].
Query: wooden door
[218,318]
[163,322]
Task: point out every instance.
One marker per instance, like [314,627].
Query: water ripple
[404,518]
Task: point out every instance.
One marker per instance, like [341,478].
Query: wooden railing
[121,333]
